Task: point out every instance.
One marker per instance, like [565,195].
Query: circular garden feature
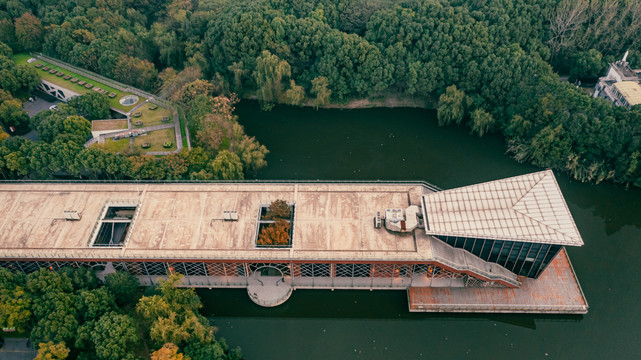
[128,100]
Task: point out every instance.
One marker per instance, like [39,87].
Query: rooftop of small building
[630,90]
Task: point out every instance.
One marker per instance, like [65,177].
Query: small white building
[621,85]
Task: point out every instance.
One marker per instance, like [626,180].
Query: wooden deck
[556,291]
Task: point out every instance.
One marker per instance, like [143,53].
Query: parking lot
[17,349]
[34,107]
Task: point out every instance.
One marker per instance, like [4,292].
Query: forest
[490,65]
[71,314]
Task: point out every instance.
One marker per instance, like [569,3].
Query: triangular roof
[526,208]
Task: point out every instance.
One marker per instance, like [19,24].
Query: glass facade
[524,259]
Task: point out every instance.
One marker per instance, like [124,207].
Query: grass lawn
[156,139]
[118,146]
[151,117]
[101,125]
[21,59]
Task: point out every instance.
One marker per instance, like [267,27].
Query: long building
[491,247]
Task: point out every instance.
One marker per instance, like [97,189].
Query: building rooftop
[527,208]
[630,90]
[185,220]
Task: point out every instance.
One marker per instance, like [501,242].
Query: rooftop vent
[377,220]
[231,215]
[71,215]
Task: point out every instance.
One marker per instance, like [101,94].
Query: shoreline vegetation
[67,312]
[489,65]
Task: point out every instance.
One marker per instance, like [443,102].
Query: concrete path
[17,349]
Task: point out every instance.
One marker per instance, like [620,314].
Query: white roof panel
[527,208]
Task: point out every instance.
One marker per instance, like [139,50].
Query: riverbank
[387,100]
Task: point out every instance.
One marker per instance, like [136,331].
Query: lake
[406,144]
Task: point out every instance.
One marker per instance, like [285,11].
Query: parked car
[53,107]
[1,342]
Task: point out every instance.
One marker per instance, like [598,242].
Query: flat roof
[630,90]
[556,291]
[526,208]
[182,221]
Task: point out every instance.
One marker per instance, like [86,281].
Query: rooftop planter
[275,225]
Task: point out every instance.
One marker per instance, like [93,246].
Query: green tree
[589,64]
[451,106]
[92,304]
[227,166]
[76,128]
[114,336]
[481,122]
[320,88]
[295,95]
[123,286]
[12,116]
[52,351]
[15,302]
[81,278]
[91,106]
[44,281]
[270,71]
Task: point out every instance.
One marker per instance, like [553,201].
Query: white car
[53,107]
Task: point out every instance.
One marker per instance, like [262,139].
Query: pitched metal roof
[527,208]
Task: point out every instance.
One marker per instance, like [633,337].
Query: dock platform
[556,291]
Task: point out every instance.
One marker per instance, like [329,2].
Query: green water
[406,144]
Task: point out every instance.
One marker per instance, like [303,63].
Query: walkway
[269,291]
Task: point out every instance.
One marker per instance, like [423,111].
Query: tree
[275,234]
[12,116]
[28,32]
[15,302]
[295,95]
[587,64]
[81,278]
[168,351]
[76,128]
[92,304]
[482,122]
[320,88]
[92,105]
[270,70]
[251,153]
[227,166]
[123,286]
[451,106]
[190,91]
[44,281]
[137,72]
[51,351]
[278,209]
[114,336]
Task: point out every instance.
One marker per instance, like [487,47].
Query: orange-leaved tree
[275,234]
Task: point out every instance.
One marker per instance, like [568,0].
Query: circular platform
[128,100]
[269,291]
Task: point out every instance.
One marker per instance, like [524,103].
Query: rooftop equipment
[230,215]
[397,220]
